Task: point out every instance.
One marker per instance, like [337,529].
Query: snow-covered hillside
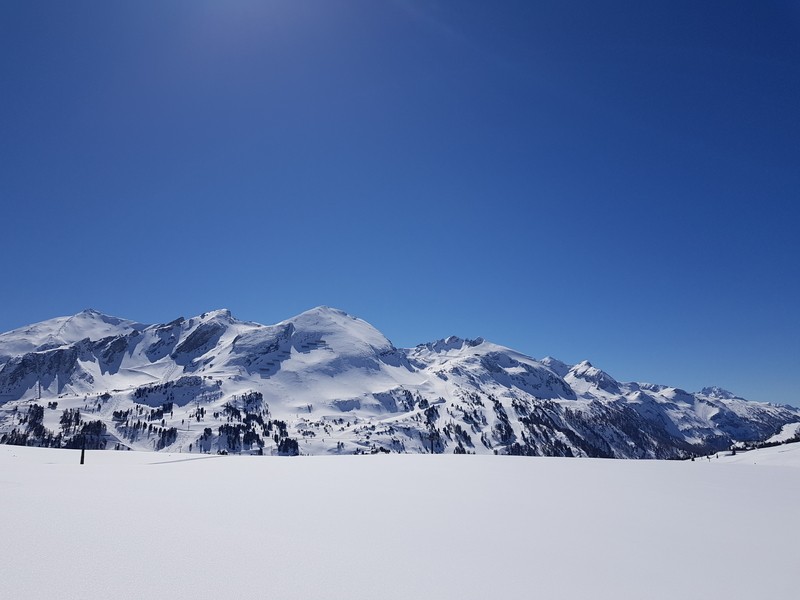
[168,525]
[325,382]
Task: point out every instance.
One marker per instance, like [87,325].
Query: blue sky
[609,181]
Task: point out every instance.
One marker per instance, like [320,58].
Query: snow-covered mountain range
[327,382]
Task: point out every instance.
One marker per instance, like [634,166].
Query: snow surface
[788,432]
[129,525]
[56,332]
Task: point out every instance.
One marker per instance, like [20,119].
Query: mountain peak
[452,342]
[586,372]
[340,329]
[323,314]
[219,314]
[717,392]
[323,309]
[555,365]
[95,315]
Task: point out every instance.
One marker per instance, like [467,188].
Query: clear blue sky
[612,181]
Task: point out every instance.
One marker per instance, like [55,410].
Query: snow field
[129,525]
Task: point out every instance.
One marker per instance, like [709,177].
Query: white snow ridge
[325,382]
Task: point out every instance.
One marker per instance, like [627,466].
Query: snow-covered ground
[135,524]
[788,432]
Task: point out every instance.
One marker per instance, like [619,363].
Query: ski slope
[128,525]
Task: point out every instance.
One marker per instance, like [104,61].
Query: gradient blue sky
[612,181]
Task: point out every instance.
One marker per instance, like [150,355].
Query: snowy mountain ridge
[327,382]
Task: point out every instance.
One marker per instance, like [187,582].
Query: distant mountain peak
[555,365]
[452,342]
[219,314]
[324,309]
[341,331]
[95,315]
[717,392]
[323,313]
[586,372]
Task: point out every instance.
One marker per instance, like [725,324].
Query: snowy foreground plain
[135,525]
